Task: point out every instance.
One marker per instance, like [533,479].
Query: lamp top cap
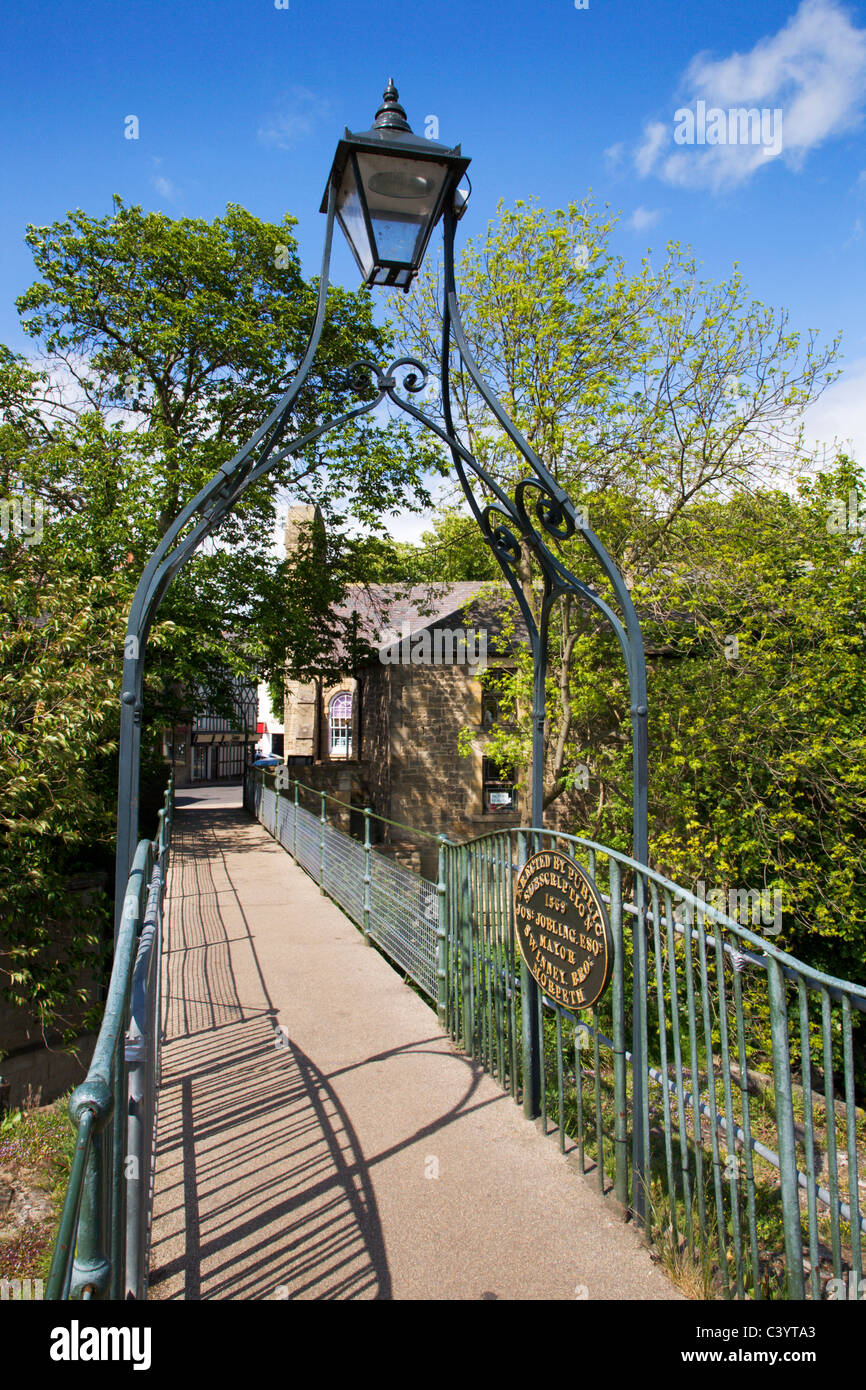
[391,115]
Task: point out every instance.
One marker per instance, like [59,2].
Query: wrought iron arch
[539,512]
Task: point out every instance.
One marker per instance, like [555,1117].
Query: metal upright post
[530,993]
[295,826]
[784,1102]
[368,876]
[620,1092]
[442,935]
[466,958]
[322,847]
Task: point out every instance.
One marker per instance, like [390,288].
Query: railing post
[620,1093]
[640,1088]
[141,1048]
[91,1271]
[295,826]
[466,957]
[119,1192]
[785,1128]
[442,936]
[322,847]
[368,875]
[529,1011]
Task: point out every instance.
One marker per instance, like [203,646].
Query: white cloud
[614,155]
[164,186]
[813,70]
[296,118]
[655,136]
[643,217]
[839,415]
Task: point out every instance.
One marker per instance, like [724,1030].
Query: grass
[36,1148]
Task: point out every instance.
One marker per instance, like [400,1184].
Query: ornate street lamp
[391,187]
[387,189]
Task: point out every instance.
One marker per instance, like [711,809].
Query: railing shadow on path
[263,1190]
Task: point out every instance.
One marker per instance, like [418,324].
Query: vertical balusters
[785,1127]
[732,1159]
[560,1089]
[830,1127]
[663,1054]
[747,1129]
[809,1136]
[673,979]
[694,1066]
[620,1089]
[580,1038]
[851,1134]
[511,963]
[711,1097]
[599,1127]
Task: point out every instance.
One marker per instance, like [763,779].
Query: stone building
[389,733]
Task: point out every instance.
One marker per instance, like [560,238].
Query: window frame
[337,723]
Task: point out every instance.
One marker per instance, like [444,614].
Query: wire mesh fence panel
[285,824]
[404,914]
[344,872]
[308,842]
[268,812]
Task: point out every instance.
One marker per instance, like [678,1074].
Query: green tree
[164,344]
[643,392]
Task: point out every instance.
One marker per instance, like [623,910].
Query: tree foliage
[671,411]
[160,347]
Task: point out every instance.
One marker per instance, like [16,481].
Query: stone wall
[375,731]
[433,787]
[43,1074]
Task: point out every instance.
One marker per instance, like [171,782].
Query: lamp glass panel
[402,196]
[351,218]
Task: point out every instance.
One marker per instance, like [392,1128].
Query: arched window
[340,725]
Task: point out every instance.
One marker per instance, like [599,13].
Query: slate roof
[404,610]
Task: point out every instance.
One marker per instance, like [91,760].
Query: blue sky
[241,101]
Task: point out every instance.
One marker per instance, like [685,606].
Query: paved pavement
[362,1157]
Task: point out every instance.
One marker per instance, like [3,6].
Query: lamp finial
[391,115]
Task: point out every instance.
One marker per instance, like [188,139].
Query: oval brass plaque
[563,930]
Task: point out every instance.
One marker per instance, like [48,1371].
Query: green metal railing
[736,1140]
[395,907]
[102,1246]
[753,1174]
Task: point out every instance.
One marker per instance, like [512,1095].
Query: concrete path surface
[362,1157]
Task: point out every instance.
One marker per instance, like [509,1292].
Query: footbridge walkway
[309,1077]
[320,1135]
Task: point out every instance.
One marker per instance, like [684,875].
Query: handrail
[855,992]
[315,791]
[114,1107]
